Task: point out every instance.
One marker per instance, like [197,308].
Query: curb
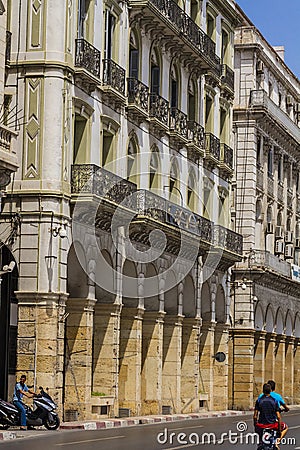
[7,435]
[113,423]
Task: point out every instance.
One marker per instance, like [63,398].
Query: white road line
[292,428]
[90,440]
[185,428]
[181,446]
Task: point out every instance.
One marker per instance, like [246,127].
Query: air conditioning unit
[260,67]
[278,232]
[289,100]
[297,243]
[288,251]
[279,248]
[288,237]
[270,228]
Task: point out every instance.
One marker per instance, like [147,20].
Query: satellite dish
[220,356]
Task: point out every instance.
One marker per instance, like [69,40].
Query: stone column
[259,377]
[79,344]
[279,364]
[130,359]
[270,356]
[243,344]
[106,351]
[206,352]
[220,369]
[171,371]
[289,370]
[152,351]
[40,349]
[296,352]
[190,365]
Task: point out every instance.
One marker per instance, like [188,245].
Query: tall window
[154,169]
[223,126]
[155,73]
[209,113]
[83,8]
[279,169]
[174,187]
[133,57]
[195,10]
[191,194]
[132,161]
[192,96]
[210,26]
[174,87]
[110,23]
[270,162]
[107,148]
[225,46]
[80,139]
[258,150]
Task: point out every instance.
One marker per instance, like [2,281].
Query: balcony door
[83,9]
[133,57]
[155,73]
[110,24]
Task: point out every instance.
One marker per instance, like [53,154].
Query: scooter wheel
[53,424]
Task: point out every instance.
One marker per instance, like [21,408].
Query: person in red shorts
[267,415]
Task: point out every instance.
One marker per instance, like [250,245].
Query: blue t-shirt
[267,407]
[17,394]
[276,396]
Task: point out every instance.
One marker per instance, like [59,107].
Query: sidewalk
[126,422]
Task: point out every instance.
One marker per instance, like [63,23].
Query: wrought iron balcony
[260,101]
[94,180]
[212,148]
[166,13]
[196,145]
[8,47]
[159,111]
[178,125]
[228,240]
[138,98]
[113,80]
[227,77]
[87,60]
[226,158]
[270,186]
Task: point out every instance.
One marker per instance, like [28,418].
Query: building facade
[265,285]
[124,194]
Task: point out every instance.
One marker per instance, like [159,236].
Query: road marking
[292,428]
[181,446]
[90,440]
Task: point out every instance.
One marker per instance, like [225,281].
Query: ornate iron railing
[178,122]
[212,146]
[228,239]
[280,197]
[227,76]
[186,27]
[8,47]
[226,155]
[91,179]
[113,76]
[271,186]
[87,57]
[260,99]
[138,93]
[195,133]
[159,108]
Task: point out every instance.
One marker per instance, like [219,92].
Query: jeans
[21,408]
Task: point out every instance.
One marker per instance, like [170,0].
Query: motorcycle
[268,439]
[42,413]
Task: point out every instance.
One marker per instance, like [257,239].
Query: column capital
[29,298]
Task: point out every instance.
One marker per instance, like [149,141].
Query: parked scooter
[42,413]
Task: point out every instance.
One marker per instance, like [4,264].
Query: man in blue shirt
[276,396]
[21,389]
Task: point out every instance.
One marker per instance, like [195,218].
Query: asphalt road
[188,434]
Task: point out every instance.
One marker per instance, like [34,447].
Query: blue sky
[279,22]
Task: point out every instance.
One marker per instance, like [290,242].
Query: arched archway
[269,321]
[205,302]
[279,322]
[259,318]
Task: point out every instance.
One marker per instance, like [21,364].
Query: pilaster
[207,338]
[243,344]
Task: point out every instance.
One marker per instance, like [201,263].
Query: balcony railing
[91,179]
[264,259]
[178,122]
[228,239]
[195,133]
[260,99]
[184,26]
[212,146]
[113,76]
[159,109]
[138,93]
[8,47]
[226,155]
[87,57]
[227,76]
